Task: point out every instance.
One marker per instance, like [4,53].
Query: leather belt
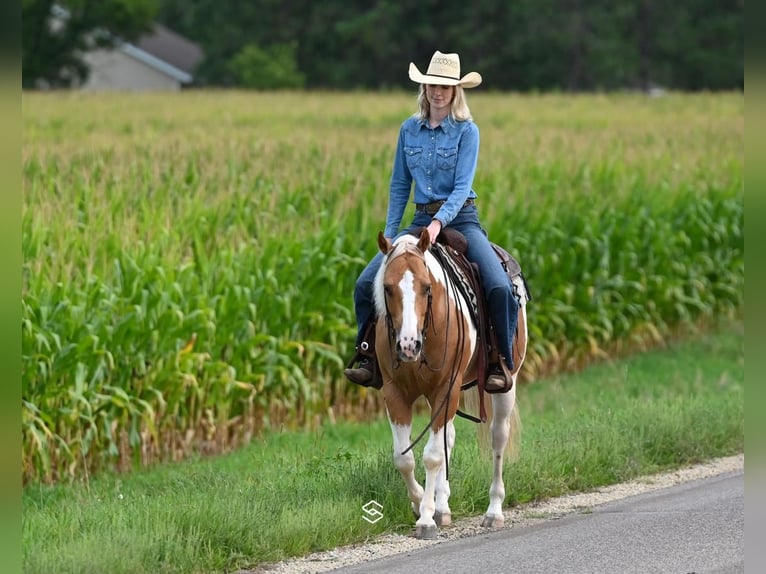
[434,206]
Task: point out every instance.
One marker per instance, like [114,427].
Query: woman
[438,149]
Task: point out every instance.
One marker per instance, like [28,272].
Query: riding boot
[366,373]
[499,379]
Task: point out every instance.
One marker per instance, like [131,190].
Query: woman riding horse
[437,150]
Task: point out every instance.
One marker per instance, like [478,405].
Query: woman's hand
[434,228]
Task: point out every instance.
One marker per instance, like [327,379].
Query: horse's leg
[502,411]
[442,513]
[401,432]
[433,460]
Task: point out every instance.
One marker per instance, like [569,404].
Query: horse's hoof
[442,518]
[496,521]
[427,532]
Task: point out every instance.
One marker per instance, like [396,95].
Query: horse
[432,351]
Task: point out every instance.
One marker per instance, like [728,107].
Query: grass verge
[292,493]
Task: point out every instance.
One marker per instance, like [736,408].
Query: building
[159,60]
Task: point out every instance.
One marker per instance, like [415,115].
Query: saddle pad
[458,278]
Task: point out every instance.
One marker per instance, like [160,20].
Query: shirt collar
[448,124]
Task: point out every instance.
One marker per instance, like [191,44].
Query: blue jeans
[501,305]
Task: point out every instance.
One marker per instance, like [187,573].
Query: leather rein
[428,321]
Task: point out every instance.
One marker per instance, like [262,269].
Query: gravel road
[516,517]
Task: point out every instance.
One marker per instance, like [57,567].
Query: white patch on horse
[438,274]
[406,463]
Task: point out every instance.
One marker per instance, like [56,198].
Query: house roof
[170,47]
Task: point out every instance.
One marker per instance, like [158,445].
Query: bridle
[427,320]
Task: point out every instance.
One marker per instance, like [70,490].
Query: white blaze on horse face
[409,335]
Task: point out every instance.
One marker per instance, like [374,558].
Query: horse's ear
[383,243]
[425,240]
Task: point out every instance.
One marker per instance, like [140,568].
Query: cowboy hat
[444,70]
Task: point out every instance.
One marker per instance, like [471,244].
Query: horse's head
[404,292]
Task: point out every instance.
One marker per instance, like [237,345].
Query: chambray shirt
[441,162]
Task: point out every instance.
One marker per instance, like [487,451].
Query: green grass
[290,493]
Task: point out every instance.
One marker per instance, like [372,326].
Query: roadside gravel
[519,516]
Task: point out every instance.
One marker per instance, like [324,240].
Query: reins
[451,289]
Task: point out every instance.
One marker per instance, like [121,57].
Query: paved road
[696,527]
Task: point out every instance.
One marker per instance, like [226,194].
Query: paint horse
[432,352]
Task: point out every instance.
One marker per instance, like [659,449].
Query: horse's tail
[471,405]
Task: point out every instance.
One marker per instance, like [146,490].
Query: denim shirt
[442,163]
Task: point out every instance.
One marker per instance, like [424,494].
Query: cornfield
[189,259]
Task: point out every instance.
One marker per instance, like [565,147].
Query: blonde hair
[459,109]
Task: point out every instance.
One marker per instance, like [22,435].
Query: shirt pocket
[446,157]
[413,156]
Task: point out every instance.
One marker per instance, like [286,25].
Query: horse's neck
[460,292]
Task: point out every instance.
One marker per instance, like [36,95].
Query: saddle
[457,247]
[468,279]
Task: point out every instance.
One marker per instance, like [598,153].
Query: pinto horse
[431,351]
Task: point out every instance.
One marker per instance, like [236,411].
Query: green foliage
[55,35]
[189,261]
[267,69]
[291,493]
[524,45]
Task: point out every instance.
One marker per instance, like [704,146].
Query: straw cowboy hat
[444,70]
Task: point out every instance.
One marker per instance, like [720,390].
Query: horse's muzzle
[408,349]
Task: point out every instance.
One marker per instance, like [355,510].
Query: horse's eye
[427,290]
[387,290]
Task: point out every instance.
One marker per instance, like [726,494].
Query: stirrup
[361,375]
[365,374]
[499,379]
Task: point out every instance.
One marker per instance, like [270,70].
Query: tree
[520,45]
[55,36]
[699,44]
[270,69]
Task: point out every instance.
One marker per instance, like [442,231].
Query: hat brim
[470,80]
